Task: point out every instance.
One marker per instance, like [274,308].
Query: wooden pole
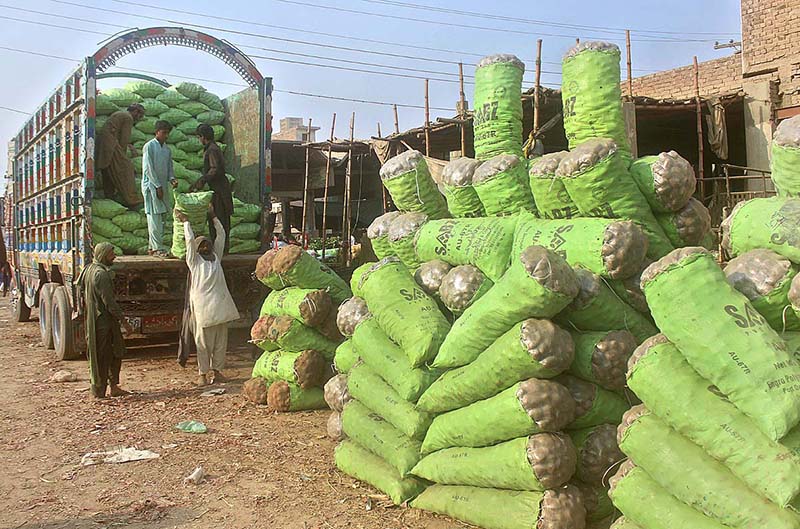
[577,41]
[427,122]
[379,130]
[396,121]
[699,111]
[630,70]
[327,183]
[384,197]
[537,87]
[462,111]
[346,227]
[303,224]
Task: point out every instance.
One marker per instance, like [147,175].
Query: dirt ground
[264,470]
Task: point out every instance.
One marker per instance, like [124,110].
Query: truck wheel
[46,313]
[20,311]
[61,320]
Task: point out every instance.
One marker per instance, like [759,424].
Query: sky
[304,45]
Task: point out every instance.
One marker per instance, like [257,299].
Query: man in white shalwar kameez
[212,306]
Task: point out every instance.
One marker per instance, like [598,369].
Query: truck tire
[46,313]
[61,323]
[20,311]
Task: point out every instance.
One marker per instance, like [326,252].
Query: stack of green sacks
[786,158]
[195,207]
[126,230]
[719,388]
[245,227]
[409,182]
[396,329]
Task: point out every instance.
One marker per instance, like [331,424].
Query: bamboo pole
[379,130]
[384,198]
[396,121]
[303,224]
[327,183]
[346,214]
[630,70]
[427,122]
[537,87]
[699,112]
[462,111]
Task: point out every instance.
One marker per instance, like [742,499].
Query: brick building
[766,74]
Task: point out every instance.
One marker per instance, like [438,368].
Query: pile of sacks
[296,330]
[114,223]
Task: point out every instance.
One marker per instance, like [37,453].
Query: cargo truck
[54,184]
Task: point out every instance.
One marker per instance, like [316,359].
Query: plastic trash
[196,477]
[191,427]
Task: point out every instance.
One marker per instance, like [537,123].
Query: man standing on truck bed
[157,171]
[111,155]
[105,346]
[214,176]
[211,306]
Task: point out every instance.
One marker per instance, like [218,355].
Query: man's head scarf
[102,251]
[200,240]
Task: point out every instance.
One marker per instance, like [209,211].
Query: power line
[15,110]
[505,18]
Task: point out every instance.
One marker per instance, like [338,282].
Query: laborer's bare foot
[202,380]
[218,377]
[117,391]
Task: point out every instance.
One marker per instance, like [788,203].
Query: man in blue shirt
[157,171]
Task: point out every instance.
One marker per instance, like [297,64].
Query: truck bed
[150,262]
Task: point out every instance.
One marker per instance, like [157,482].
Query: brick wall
[720,76]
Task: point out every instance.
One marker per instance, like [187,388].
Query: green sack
[505,509]
[409,182]
[402,232]
[171,97]
[306,369]
[291,335]
[501,183]
[104,106]
[786,158]
[176,136]
[671,389]
[485,243]
[293,266]
[593,405]
[689,226]
[138,136]
[248,212]
[765,278]
[239,246]
[193,161]
[373,392]
[130,221]
[770,223]
[190,144]
[219,132]
[595,176]
[462,200]
[345,357]
[648,504]
[210,100]
[181,172]
[608,248]
[100,122]
[147,125]
[259,334]
[539,284]
[365,466]
[602,357]
[429,276]
[247,230]
[549,194]
[154,107]
[684,470]
[193,108]
[597,451]
[599,509]
[667,181]
[211,117]
[141,232]
[183,187]
[105,228]
[498,106]
[129,243]
[407,315]
[350,314]
[597,308]
[121,97]
[195,207]
[145,89]
[536,463]
[389,361]
[310,306]
[693,304]
[285,397]
[189,127]
[530,349]
[372,432]
[189,90]
[105,208]
[591,95]
[137,168]
[378,233]
[624,523]
[462,286]
[526,408]
[175,117]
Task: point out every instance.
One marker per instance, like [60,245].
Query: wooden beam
[537,87]
[699,112]
[396,121]
[327,184]
[303,232]
[462,111]
[427,122]
[346,206]
[630,70]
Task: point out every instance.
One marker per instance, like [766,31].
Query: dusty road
[264,470]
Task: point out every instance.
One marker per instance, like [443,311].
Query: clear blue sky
[685,27]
